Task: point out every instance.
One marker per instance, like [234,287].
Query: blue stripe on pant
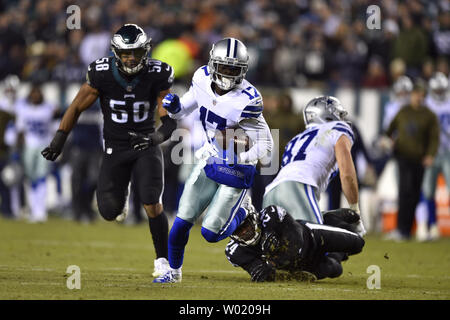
[216,237]
[313,203]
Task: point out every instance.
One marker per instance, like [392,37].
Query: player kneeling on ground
[271,241]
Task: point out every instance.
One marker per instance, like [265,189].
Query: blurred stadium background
[298,49]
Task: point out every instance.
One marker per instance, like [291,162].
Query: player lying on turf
[271,245]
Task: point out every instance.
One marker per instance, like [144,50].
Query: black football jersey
[128,103]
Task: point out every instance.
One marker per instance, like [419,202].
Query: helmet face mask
[324,109]
[131,47]
[248,233]
[228,63]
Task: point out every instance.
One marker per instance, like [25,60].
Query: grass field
[116,262]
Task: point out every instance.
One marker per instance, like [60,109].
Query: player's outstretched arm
[177,107]
[347,171]
[85,97]
[349,180]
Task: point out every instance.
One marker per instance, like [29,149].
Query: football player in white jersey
[34,118]
[400,97]
[438,101]
[312,158]
[224,100]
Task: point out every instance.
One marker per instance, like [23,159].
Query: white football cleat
[171,276]
[434,232]
[422,232]
[161,267]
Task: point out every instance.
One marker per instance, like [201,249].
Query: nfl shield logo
[129,88]
[214,102]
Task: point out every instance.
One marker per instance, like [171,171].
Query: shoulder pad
[343,127]
[201,73]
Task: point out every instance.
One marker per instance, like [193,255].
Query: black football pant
[115,173]
[410,183]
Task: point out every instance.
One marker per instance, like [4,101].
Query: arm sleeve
[341,128]
[259,133]
[253,110]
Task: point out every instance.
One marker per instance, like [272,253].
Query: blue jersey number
[301,154]
[212,118]
[251,93]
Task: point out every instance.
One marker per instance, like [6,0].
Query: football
[237,137]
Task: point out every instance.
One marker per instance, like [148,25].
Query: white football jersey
[241,107]
[221,112]
[309,157]
[442,111]
[35,122]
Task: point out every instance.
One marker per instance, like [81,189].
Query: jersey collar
[127,85]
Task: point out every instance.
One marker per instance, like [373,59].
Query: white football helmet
[228,63]
[438,86]
[323,109]
[401,89]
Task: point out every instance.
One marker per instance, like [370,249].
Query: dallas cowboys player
[130,88]
[311,158]
[400,97]
[34,118]
[223,99]
[438,101]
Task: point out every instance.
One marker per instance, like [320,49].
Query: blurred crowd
[292,42]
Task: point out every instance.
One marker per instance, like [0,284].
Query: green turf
[116,262]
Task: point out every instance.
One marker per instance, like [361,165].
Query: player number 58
[101,64]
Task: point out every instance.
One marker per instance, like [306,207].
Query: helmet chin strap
[133,70]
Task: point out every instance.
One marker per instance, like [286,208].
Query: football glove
[208,150]
[359,226]
[141,141]
[171,103]
[56,146]
[262,271]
